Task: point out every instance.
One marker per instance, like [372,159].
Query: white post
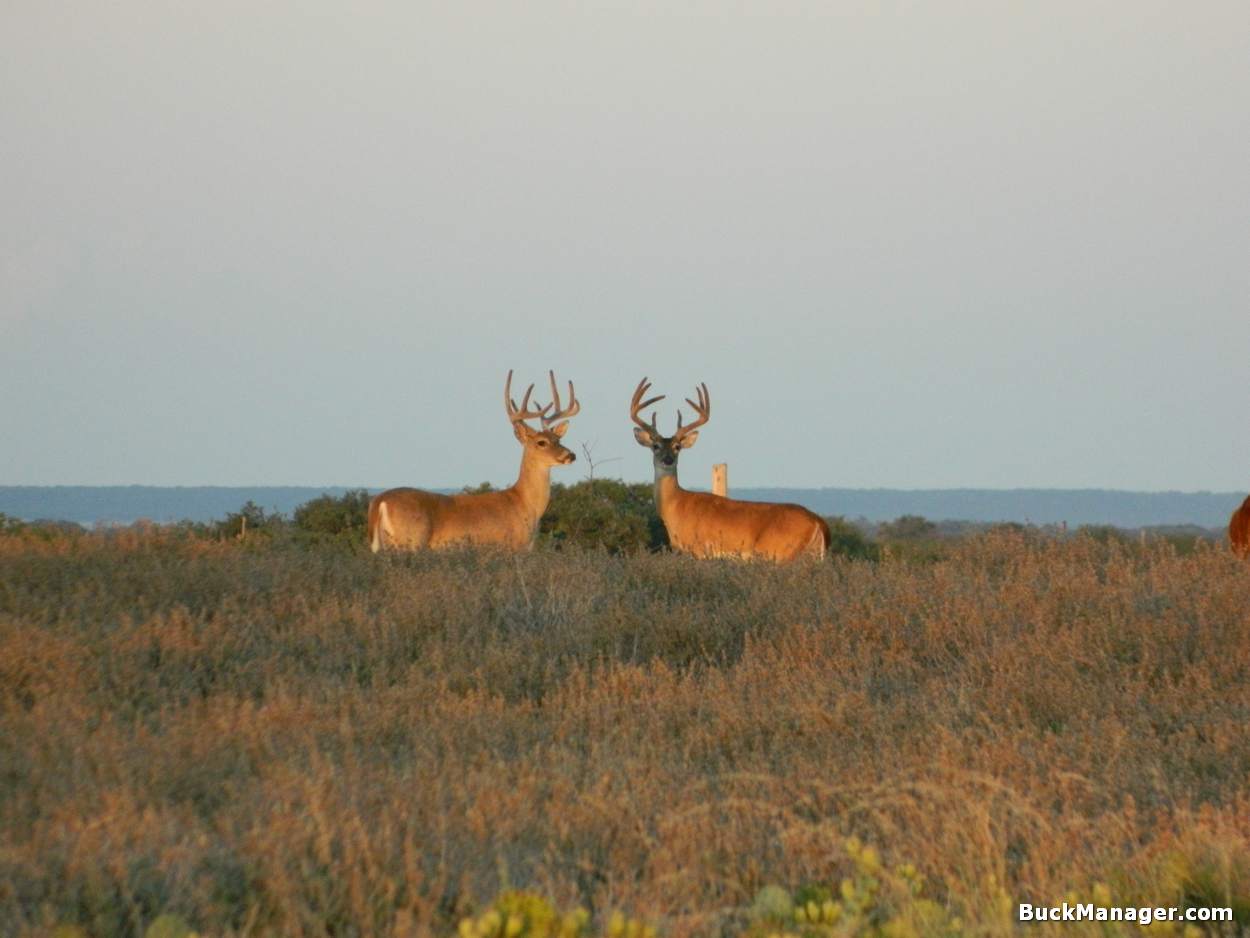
[720,479]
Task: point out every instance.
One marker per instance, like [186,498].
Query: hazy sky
[905,244]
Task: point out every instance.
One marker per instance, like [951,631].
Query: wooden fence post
[720,479]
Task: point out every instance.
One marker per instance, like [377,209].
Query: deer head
[542,445]
[665,449]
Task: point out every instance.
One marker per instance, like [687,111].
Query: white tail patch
[383,522]
[817,543]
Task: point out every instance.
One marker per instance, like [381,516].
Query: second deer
[707,525]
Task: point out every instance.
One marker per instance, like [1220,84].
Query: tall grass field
[273,737]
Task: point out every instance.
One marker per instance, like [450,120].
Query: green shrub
[874,900]
[517,914]
[913,539]
[607,513]
[345,516]
[249,521]
[907,528]
[846,540]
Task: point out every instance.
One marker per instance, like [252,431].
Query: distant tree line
[601,514]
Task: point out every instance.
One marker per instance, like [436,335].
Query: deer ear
[560,428]
[643,437]
[521,430]
[687,441]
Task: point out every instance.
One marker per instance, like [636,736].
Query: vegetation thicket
[290,736]
[328,516]
[604,513]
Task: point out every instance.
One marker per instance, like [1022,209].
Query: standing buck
[412,519]
[1239,529]
[707,525]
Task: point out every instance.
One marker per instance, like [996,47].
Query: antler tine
[560,413]
[522,413]
[703,409]
[555,391]
[701,393]
[636,404]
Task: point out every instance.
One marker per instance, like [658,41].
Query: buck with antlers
[707,525]
[412,519]
[1239,529]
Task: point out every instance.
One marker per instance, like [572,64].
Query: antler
[703,409]
[559,413]
[522,413]
[635,406]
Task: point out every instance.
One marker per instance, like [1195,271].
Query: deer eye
[542,442]
[656,447]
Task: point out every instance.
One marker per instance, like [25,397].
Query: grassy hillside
[273,738]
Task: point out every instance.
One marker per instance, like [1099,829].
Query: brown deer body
[707,525]
[412,519]
[1239,529]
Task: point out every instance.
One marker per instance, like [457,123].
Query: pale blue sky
[905,244]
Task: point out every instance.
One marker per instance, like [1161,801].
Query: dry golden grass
[267,739]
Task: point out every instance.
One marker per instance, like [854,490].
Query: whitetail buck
[707,525]
[1239,529]
[412,519]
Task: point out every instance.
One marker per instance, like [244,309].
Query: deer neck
[533,485]
[667,491]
